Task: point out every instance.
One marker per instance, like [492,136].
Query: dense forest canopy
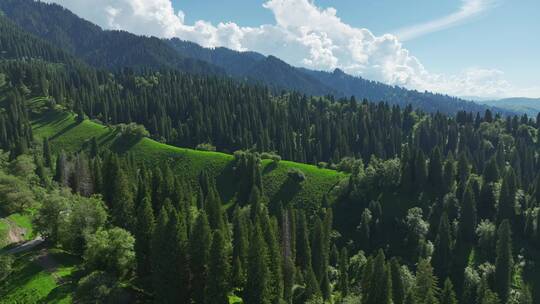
[430,209]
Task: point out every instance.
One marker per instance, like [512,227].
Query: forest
[425,208]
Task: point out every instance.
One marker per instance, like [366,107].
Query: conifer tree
[507,197]
[47,158]
[122,202]
[442,255]
[380,287]
[426,289]
[218,286]
[448,296]
[143,237]
[504,262]
[343,282]
[435,172]
[199,254]
[303,248]
[468,219]
[258,274]
[398,288]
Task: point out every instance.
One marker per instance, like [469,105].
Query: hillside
[68,135]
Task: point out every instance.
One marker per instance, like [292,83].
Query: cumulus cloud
[302,35]
[467,10]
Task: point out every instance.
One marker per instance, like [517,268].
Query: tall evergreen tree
[122,202]
[258,274]
[442,256]
[218,286]
[398,288]
[468,218]
[199,255]
[143,238]
[448,296]
[504,263]
[47,158]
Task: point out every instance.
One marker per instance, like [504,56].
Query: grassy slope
[30,283]
[65,134]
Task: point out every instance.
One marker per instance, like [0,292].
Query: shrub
[132,131]
[296,175]
[206,147]
[272,156]
[322,165]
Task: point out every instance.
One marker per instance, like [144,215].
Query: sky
[480,48]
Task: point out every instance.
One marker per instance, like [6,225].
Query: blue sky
[505,37]
[461,47]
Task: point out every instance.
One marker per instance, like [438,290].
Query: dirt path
[15,233]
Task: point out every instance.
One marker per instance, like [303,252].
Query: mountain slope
[99,48]
[68,135]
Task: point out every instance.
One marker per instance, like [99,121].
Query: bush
[272,156]
[206,147]
[297,175]
[322,165]
[132,131]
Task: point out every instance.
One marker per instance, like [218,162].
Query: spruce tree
[258,274]
[380,287]
[343,281]
[504,262]
[143,237]
[426,289]
[199,254]
[47,158]
[468,219]
[448,296]
[122,202]
[442,256]
[218,286]
[398,288]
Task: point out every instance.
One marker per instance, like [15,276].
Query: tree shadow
[288,190]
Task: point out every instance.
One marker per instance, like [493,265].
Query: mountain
[97,47]
[529,106]
[118,49]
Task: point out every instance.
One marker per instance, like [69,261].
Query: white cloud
[303,35]
[468,9]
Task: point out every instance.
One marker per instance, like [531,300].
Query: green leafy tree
[111,251]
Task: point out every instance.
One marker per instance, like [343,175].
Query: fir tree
[218,286]
[199,254]
[343,282]
[504,262]
[442,256]
[258,274]
[448,296]
[47,158]
[122,202]
[143,238]
[398,288]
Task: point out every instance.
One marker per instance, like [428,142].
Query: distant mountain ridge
[530,106]
[118,49]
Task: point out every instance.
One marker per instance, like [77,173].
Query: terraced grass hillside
[65,133]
